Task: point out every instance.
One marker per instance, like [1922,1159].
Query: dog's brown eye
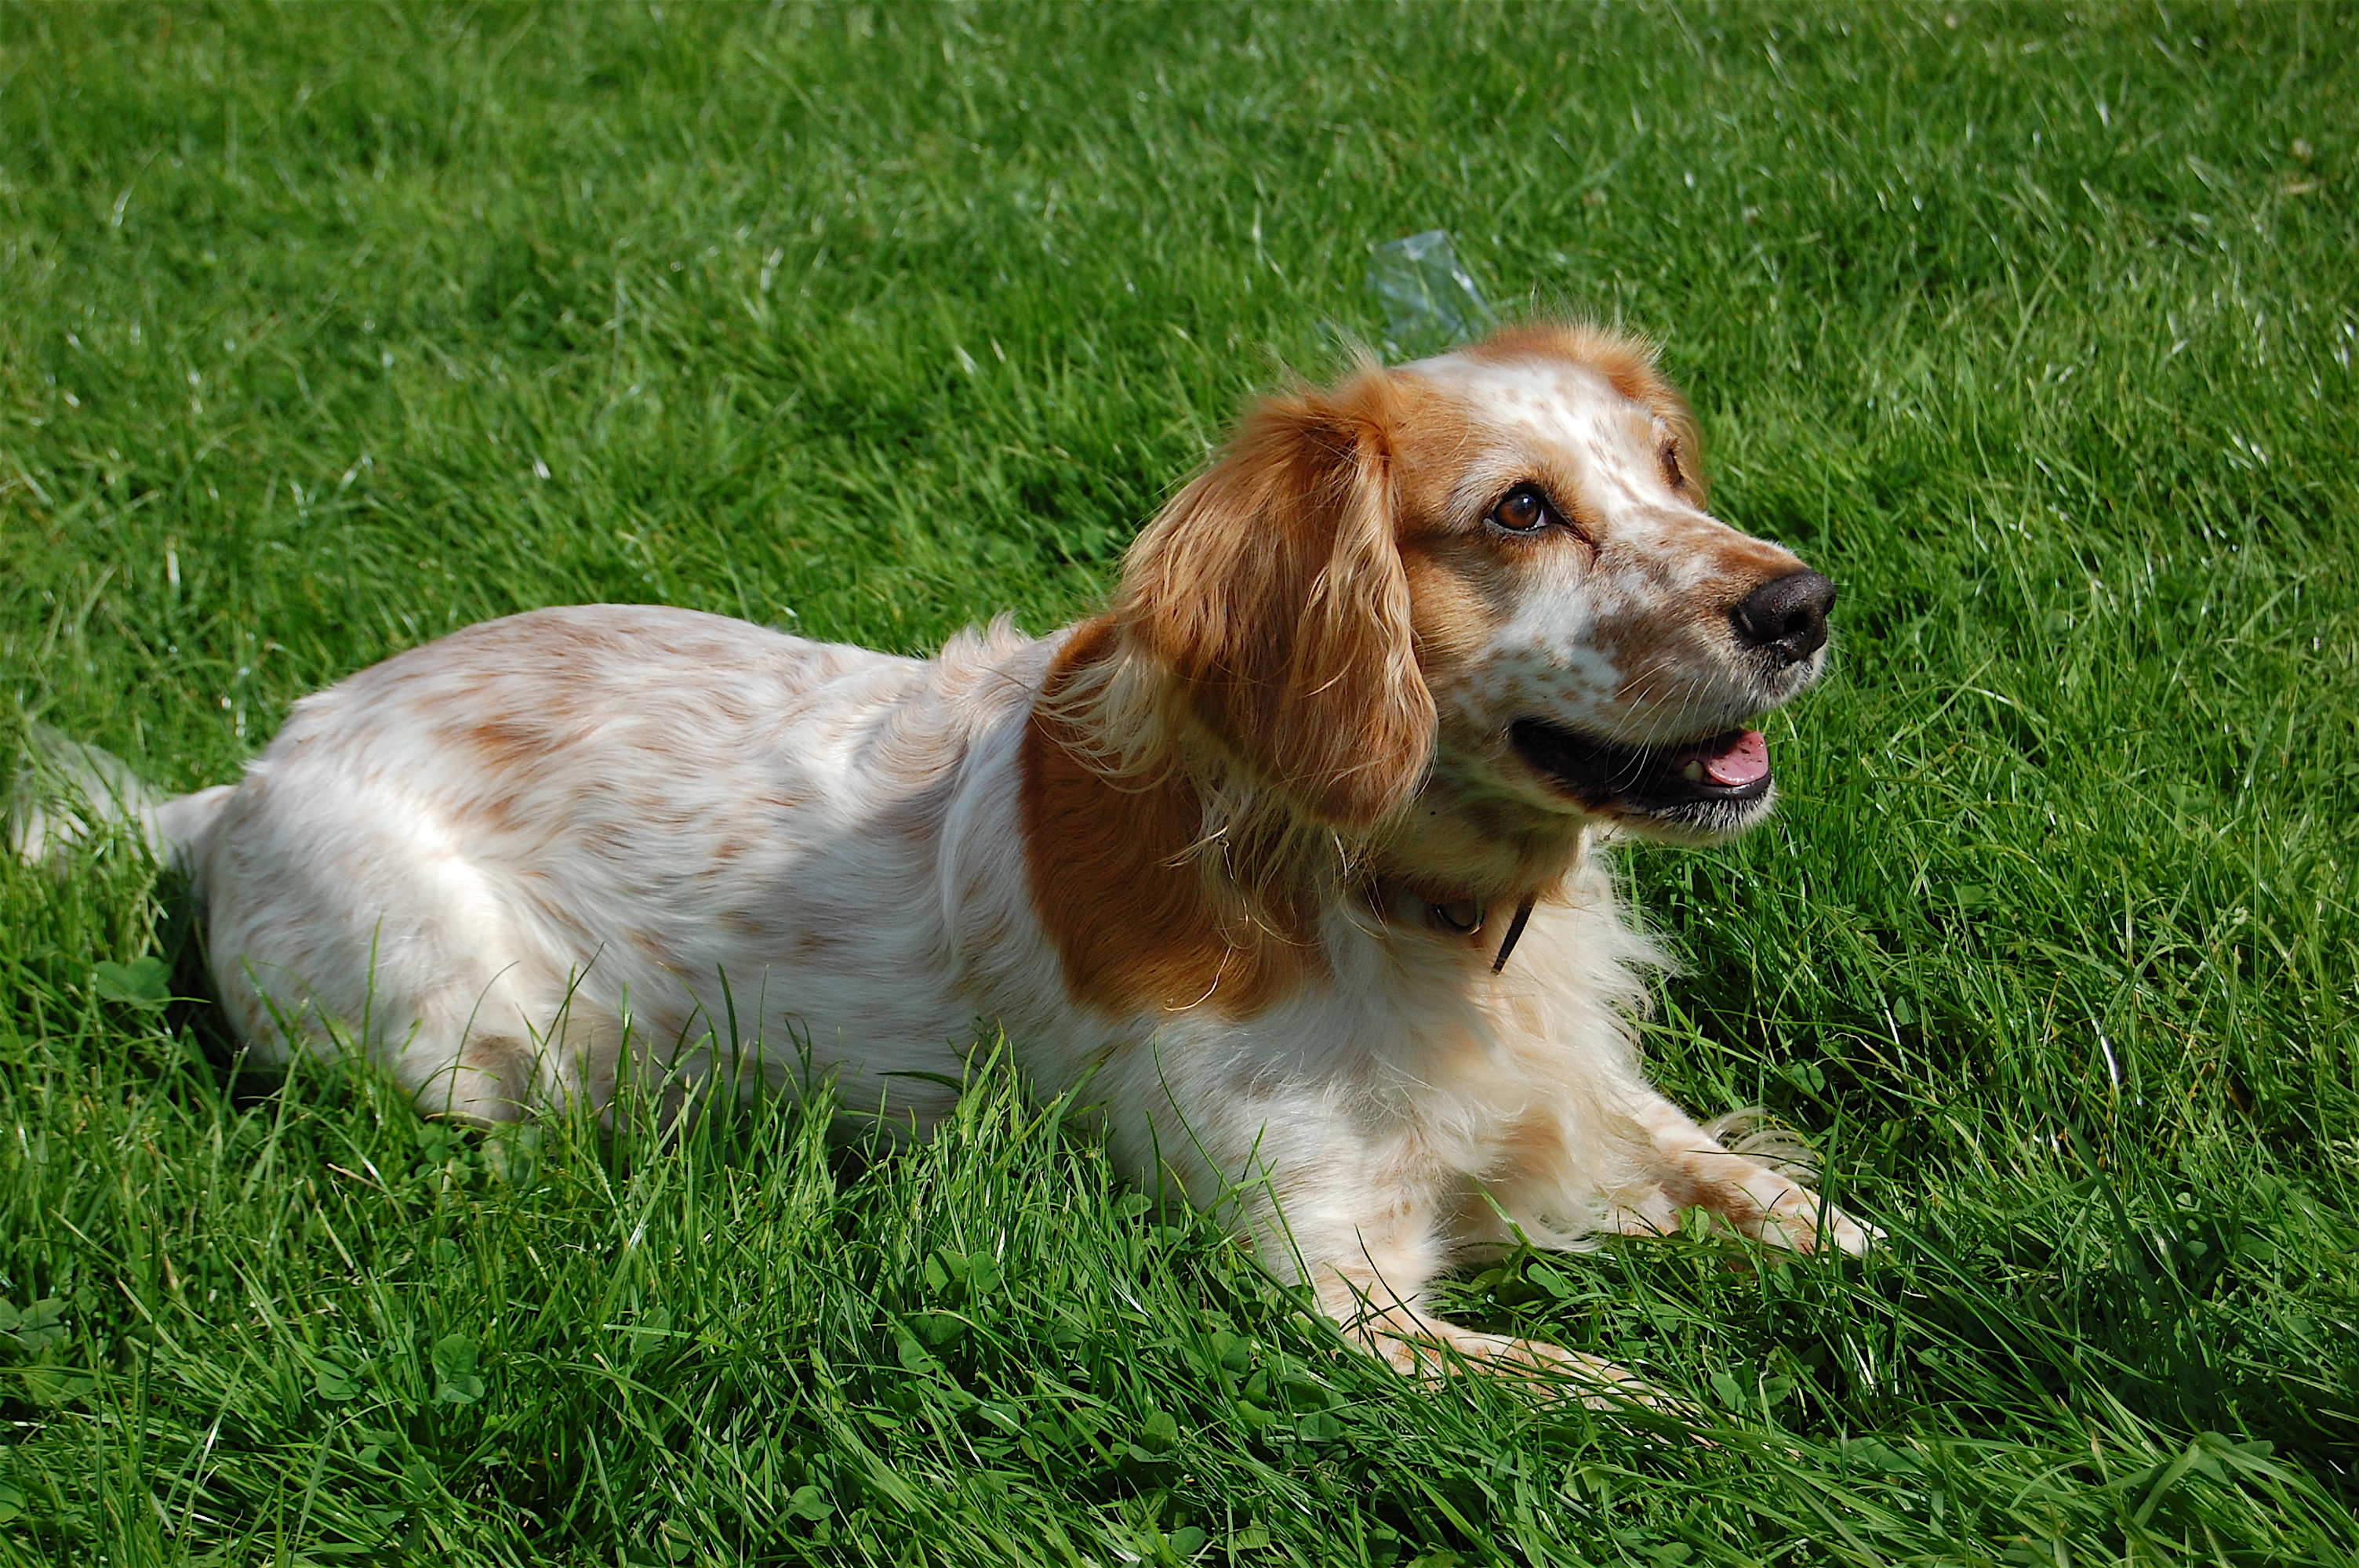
[1523,510]
[1673,475]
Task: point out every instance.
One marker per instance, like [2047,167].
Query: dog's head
[1486,581]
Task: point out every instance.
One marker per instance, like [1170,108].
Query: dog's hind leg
[466,1045]
[531,1059]
[341,921]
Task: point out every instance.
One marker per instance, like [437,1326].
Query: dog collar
[1462,915]
[1515,934]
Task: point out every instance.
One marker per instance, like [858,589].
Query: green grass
[328,329]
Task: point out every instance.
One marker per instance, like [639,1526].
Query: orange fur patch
[1115,880]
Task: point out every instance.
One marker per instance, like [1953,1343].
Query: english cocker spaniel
[1290,855]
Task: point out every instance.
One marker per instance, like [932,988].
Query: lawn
[330,329]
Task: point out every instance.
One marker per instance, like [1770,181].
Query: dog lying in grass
[1291,856]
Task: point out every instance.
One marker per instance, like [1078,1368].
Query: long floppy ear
[1272,590]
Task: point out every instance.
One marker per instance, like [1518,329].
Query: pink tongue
[1744,762]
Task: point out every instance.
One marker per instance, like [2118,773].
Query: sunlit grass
[328,329]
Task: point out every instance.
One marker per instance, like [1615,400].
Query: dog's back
[490,855]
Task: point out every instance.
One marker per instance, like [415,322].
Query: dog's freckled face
[1607,668]
[1239,852]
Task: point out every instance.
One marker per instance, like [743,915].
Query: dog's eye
[1524,509]
[1673,475]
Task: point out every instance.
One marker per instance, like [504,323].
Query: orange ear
[1272,590]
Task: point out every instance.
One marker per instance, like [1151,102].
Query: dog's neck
[1464,863]
[1168,882]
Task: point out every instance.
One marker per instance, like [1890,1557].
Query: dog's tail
[66,791]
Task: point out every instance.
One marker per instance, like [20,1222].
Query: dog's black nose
[1786,616]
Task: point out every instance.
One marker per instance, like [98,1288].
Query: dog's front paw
[1799,1221]
[1428,1348]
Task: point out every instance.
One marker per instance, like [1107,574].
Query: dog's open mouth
[1694,781]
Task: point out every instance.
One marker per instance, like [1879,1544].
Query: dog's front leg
[1369,1242]
[1694,1170]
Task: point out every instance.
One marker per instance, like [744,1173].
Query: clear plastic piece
[1430,302]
